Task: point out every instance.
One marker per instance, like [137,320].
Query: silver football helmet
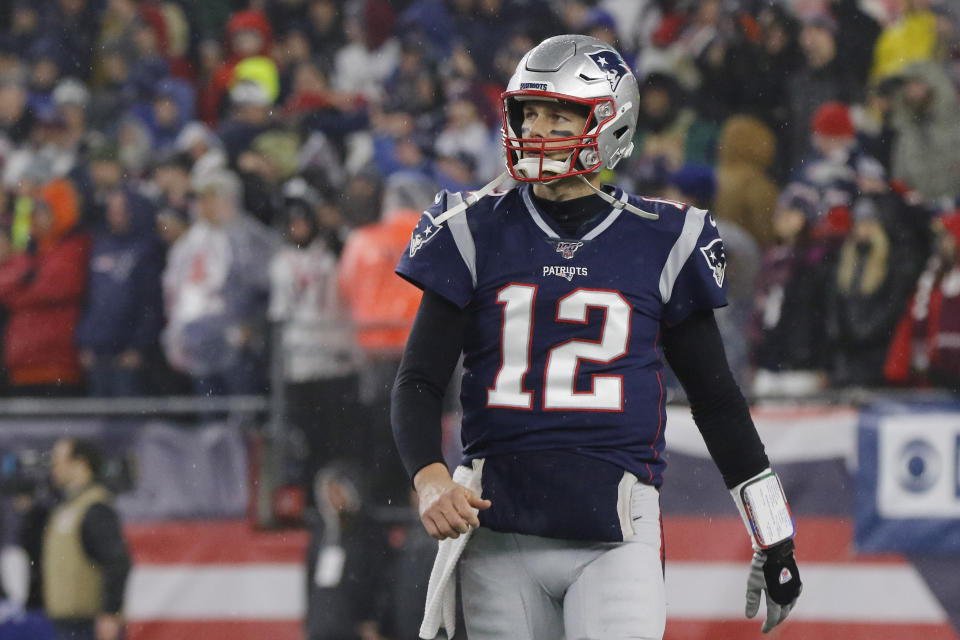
[582,71]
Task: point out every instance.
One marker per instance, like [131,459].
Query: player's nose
[538,127]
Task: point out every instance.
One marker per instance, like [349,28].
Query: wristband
[764,509]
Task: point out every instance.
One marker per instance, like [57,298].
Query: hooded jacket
[124,306]
[746,194]
[926,150]
[42,289]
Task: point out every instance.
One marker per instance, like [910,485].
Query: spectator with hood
[118,335]
[247,34]
[926,120]
[42,289]
[746,194]
[169,110]
[215,292]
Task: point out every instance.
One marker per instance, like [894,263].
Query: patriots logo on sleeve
[716,259]
[424,233]
[611,65]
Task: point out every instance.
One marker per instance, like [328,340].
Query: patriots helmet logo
[611,65]
[716,259]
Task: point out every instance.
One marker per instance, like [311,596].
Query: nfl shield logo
[567,249]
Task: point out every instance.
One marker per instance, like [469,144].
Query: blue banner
[908,478]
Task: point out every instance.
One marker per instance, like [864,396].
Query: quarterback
[564,296]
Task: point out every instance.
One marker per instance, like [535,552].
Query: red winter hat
[833,119]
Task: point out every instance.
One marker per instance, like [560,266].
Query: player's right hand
[447,508]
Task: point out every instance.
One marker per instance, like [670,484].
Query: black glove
[773,570]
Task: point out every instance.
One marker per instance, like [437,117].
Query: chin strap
[471,199]
[621,203]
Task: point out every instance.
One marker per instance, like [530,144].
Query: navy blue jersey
[561,347]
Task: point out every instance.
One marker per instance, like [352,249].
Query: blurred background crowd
[179,176]
[191,192]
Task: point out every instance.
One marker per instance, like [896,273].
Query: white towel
[440,611]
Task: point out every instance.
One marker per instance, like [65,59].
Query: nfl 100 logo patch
[568,249]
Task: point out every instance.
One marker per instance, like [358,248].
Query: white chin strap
[621,203]
[471,199]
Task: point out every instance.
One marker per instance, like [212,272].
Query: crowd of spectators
[176,176]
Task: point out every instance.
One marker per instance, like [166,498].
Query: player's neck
[565,188]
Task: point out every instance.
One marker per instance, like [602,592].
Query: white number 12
[563,360]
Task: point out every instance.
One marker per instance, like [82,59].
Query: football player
[563,295]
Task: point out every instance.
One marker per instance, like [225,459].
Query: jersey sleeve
[441,258]
[693,278]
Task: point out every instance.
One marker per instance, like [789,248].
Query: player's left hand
[773,571]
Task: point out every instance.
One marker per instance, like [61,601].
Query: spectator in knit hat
[837,167]
[42,290]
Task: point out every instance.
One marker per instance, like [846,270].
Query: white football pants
[522,587]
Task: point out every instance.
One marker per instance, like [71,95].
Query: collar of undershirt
[571,215]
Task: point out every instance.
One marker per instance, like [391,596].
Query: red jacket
[43,295]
